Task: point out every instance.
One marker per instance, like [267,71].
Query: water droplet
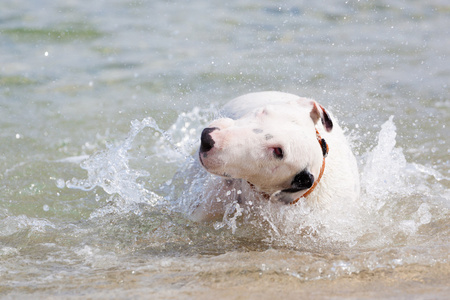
[60,183]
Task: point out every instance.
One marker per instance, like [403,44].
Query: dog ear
[302,181]
[318,112]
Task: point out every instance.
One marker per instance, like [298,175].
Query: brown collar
[325,149]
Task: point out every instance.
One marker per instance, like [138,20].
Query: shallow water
[101,107]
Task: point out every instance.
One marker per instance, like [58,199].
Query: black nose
[207,143]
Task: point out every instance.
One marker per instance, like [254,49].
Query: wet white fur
[251,127]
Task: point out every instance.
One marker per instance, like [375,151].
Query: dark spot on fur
[268,137]
[257,130]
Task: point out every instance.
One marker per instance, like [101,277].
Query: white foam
[14,224]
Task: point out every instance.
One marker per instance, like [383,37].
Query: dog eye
[278,152]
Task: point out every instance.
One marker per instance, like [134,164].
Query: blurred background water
[101,102]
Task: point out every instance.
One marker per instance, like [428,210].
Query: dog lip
[226,175]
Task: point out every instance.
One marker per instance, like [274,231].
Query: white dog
[270,146]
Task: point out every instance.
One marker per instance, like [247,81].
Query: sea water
[102,105]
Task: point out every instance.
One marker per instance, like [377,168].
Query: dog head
[274,147]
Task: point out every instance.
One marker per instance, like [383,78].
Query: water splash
[178,142]
[390,211]
[383,172]
[396,204]
[13,224]
[232,212]
[109,169]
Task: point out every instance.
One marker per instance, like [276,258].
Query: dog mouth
[222,174]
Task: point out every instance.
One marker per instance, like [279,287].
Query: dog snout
[207,142]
